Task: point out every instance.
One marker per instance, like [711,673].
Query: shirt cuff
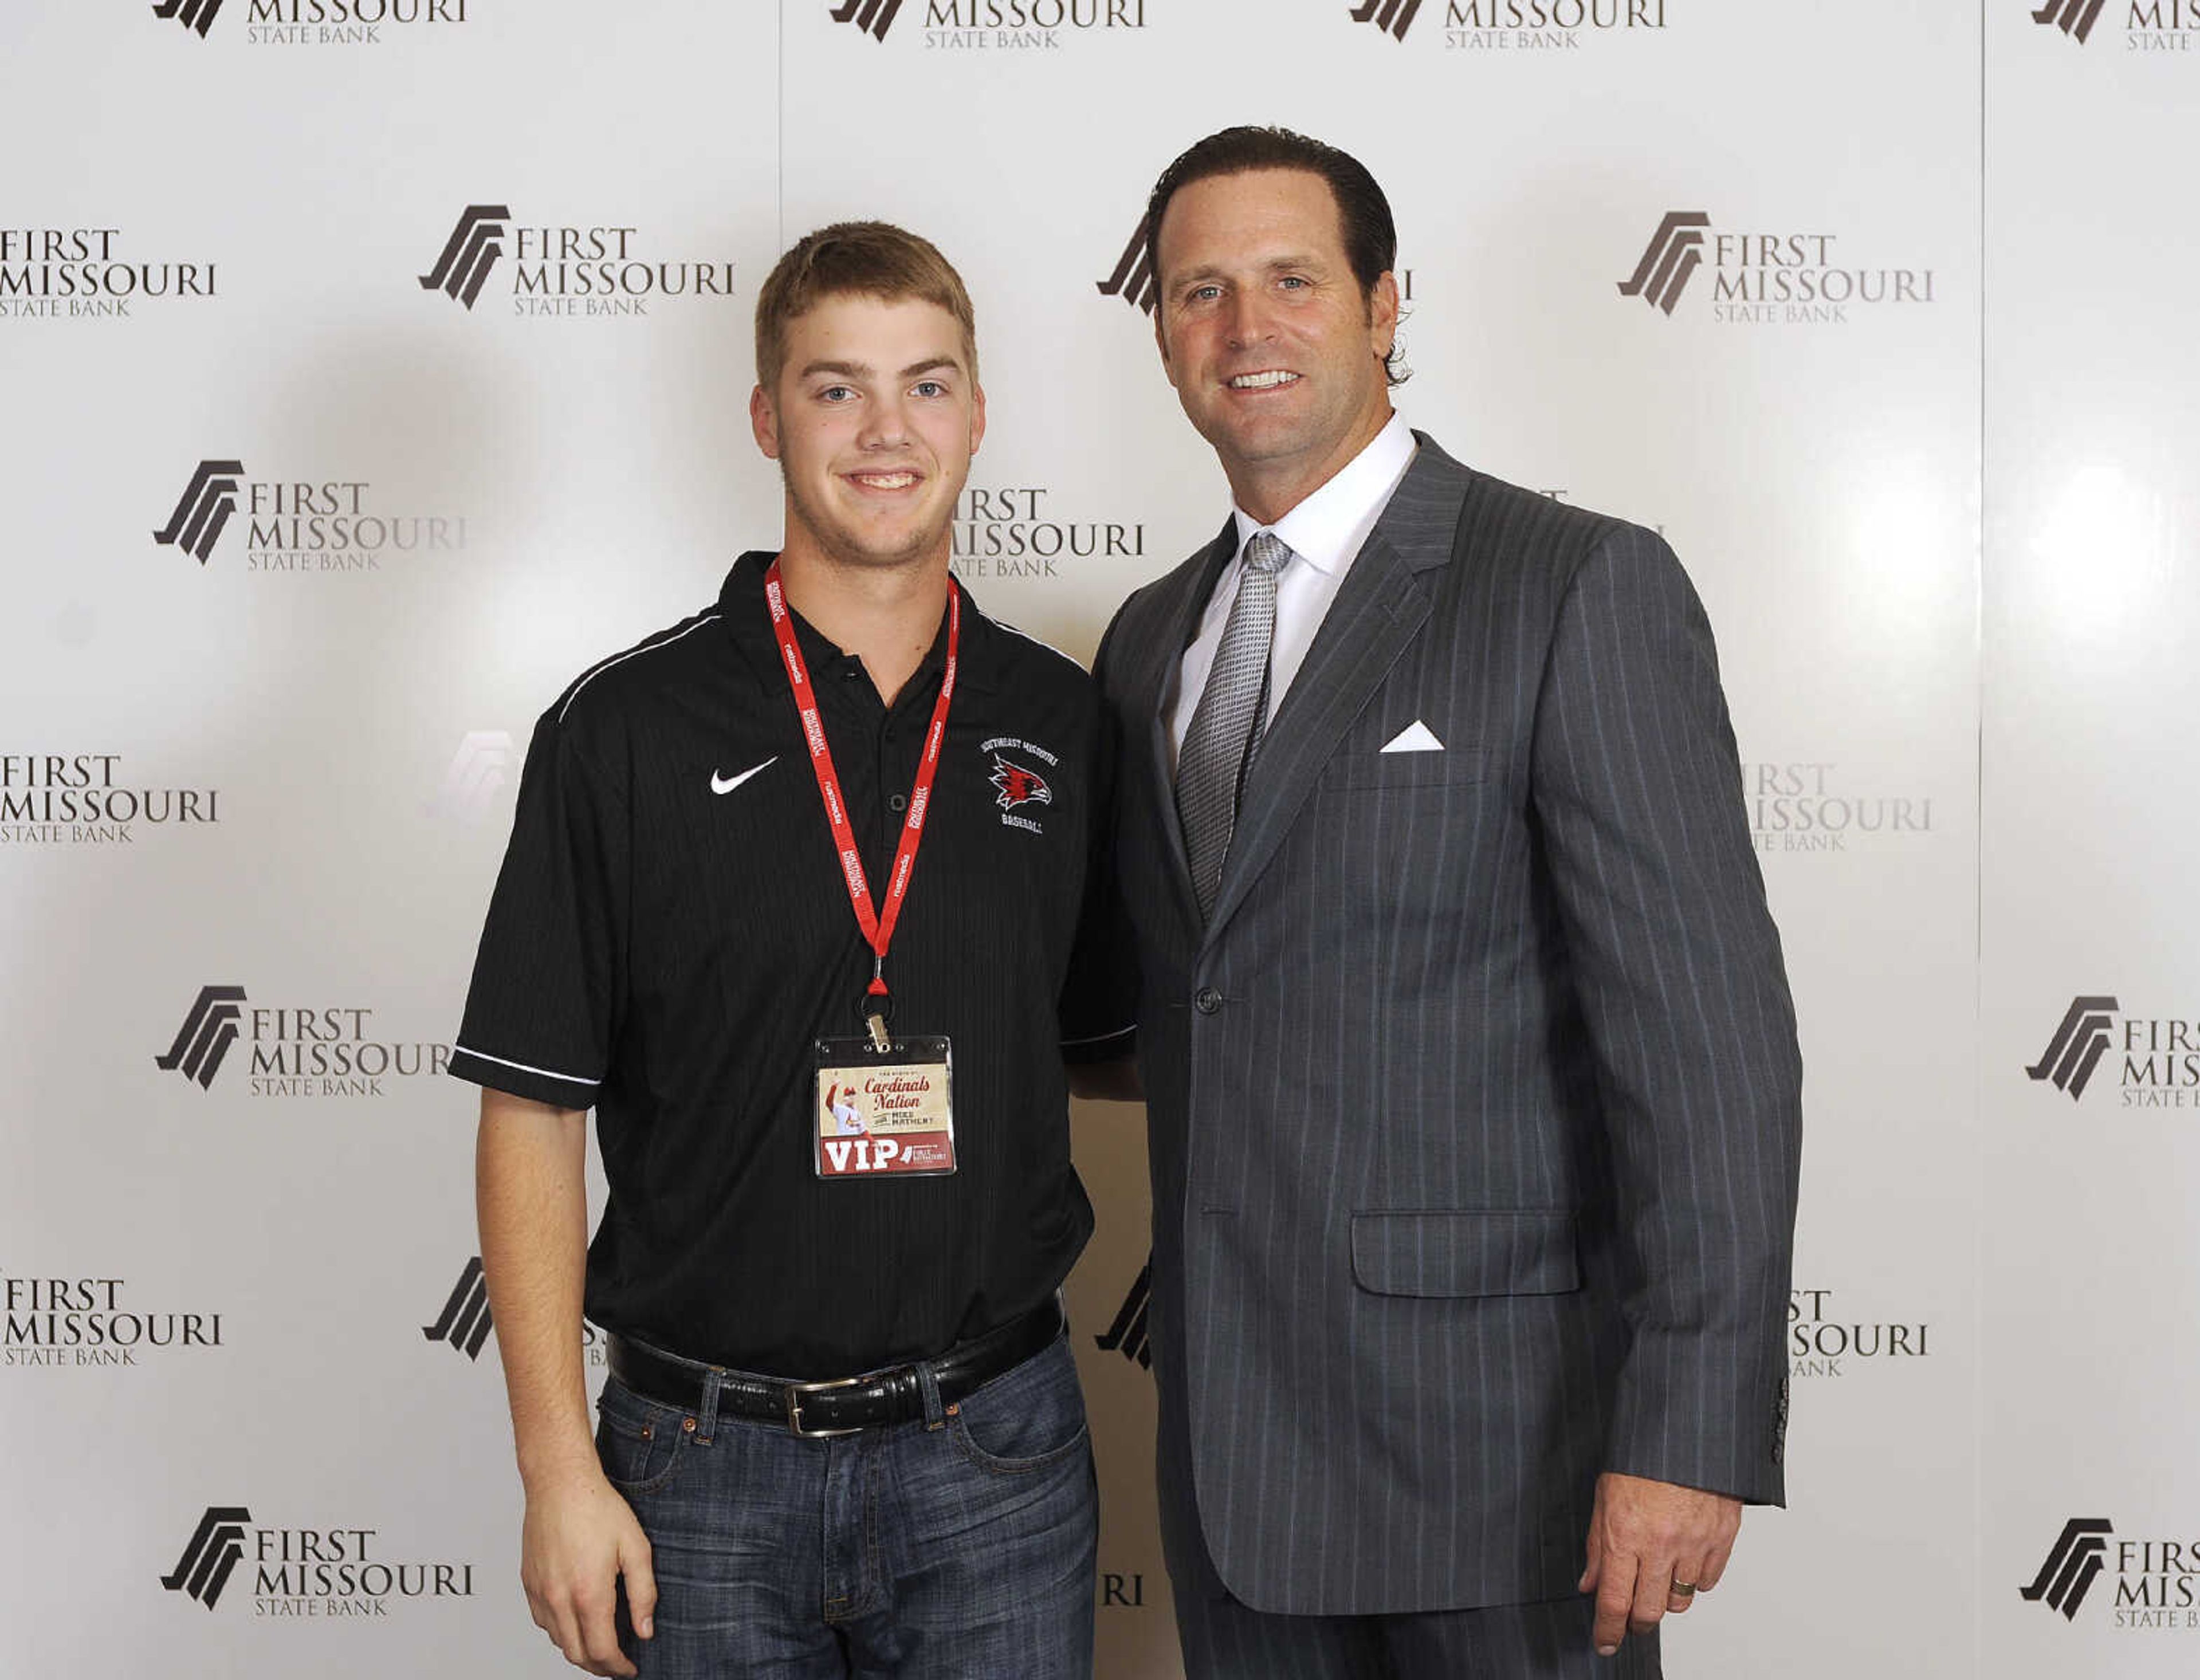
[1107,1047]
[523,1079]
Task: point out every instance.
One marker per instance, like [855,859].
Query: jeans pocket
[640,1442]
[1025,1419]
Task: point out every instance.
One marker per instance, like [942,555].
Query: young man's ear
[977,417]
[763,421]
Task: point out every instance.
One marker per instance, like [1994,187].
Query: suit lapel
[1378,609]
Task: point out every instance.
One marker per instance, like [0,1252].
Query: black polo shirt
[671,933]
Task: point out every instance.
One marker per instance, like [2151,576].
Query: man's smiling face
[874,418]
[1275,352]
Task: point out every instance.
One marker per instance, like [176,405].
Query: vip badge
[884,1112]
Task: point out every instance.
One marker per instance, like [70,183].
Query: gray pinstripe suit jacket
[1475,1108]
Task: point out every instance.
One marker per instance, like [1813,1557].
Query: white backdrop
[1919,418]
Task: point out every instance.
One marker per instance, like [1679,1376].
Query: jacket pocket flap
[1408,769]
[1490,1251]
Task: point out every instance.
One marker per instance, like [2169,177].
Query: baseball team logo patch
[1018,786]
[1018,789]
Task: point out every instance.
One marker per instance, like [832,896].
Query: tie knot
[1266,552]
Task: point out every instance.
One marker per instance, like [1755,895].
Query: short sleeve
[542,1011]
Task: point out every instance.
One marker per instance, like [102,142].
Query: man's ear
[977,417]
[1161,342]
[1383,313]
[763,421]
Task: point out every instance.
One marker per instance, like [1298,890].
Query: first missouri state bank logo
[211,1555]
[1133,280]
[294,1050]
[470,254]
[1674,254]
[2157,1583]
[209,501]
[2078,1045]
[1514,26]
[994,26]
[2154,1060]
[464,1322]
[2073,1563]
[1394,17]
[2150,26]
[297,524]
[202,1042]
[2075,18]
[323,1574]
[1128,1334]
[566,268]
[1766,279]
[312,23]
[198,14]
[873,17]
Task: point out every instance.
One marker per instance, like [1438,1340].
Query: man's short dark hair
[1371,236]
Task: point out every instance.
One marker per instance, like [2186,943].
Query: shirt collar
[747,620]
[1320,529]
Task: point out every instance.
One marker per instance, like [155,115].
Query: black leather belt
[842,1405]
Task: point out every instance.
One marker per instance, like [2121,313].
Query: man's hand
[580,1538]
[1645,1539]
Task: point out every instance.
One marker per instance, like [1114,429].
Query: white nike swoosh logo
[727,784]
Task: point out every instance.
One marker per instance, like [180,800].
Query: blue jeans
[959,1545]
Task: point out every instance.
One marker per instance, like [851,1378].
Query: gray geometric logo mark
[207,1034]
[1675,253]
[477,775]
[465,1322]
[2078,1044]
[470,254]
[1133,278]
[209,501]
[1394,15]
[2075,18]
[197,14]
[216,1545]
[1127,1334]
[875,16]
[2077,1558]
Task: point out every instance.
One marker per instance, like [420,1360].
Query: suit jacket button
[1207,1001]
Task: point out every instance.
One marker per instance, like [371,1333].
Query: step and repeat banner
[368,368]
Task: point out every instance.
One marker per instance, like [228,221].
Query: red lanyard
[878,928]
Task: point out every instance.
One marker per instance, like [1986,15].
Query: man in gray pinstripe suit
[1471,1065]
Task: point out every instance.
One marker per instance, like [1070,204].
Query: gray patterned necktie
[1227,724]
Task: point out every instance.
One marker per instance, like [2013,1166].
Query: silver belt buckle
[794,1393]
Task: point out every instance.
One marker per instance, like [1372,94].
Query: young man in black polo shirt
[794,900]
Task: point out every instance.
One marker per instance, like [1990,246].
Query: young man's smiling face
[1275,352]
[873,418]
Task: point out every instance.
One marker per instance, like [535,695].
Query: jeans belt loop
[927,1385]
[706,1422]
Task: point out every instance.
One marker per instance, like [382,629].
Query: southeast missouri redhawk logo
[1018,786]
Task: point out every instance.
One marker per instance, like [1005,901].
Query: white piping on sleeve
[617,658]
[548,1073]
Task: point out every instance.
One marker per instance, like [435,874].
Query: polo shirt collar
[1320,530]
[748,622]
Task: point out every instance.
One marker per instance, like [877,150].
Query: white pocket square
[1416,737]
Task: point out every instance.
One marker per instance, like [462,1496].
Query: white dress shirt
[1325,534]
